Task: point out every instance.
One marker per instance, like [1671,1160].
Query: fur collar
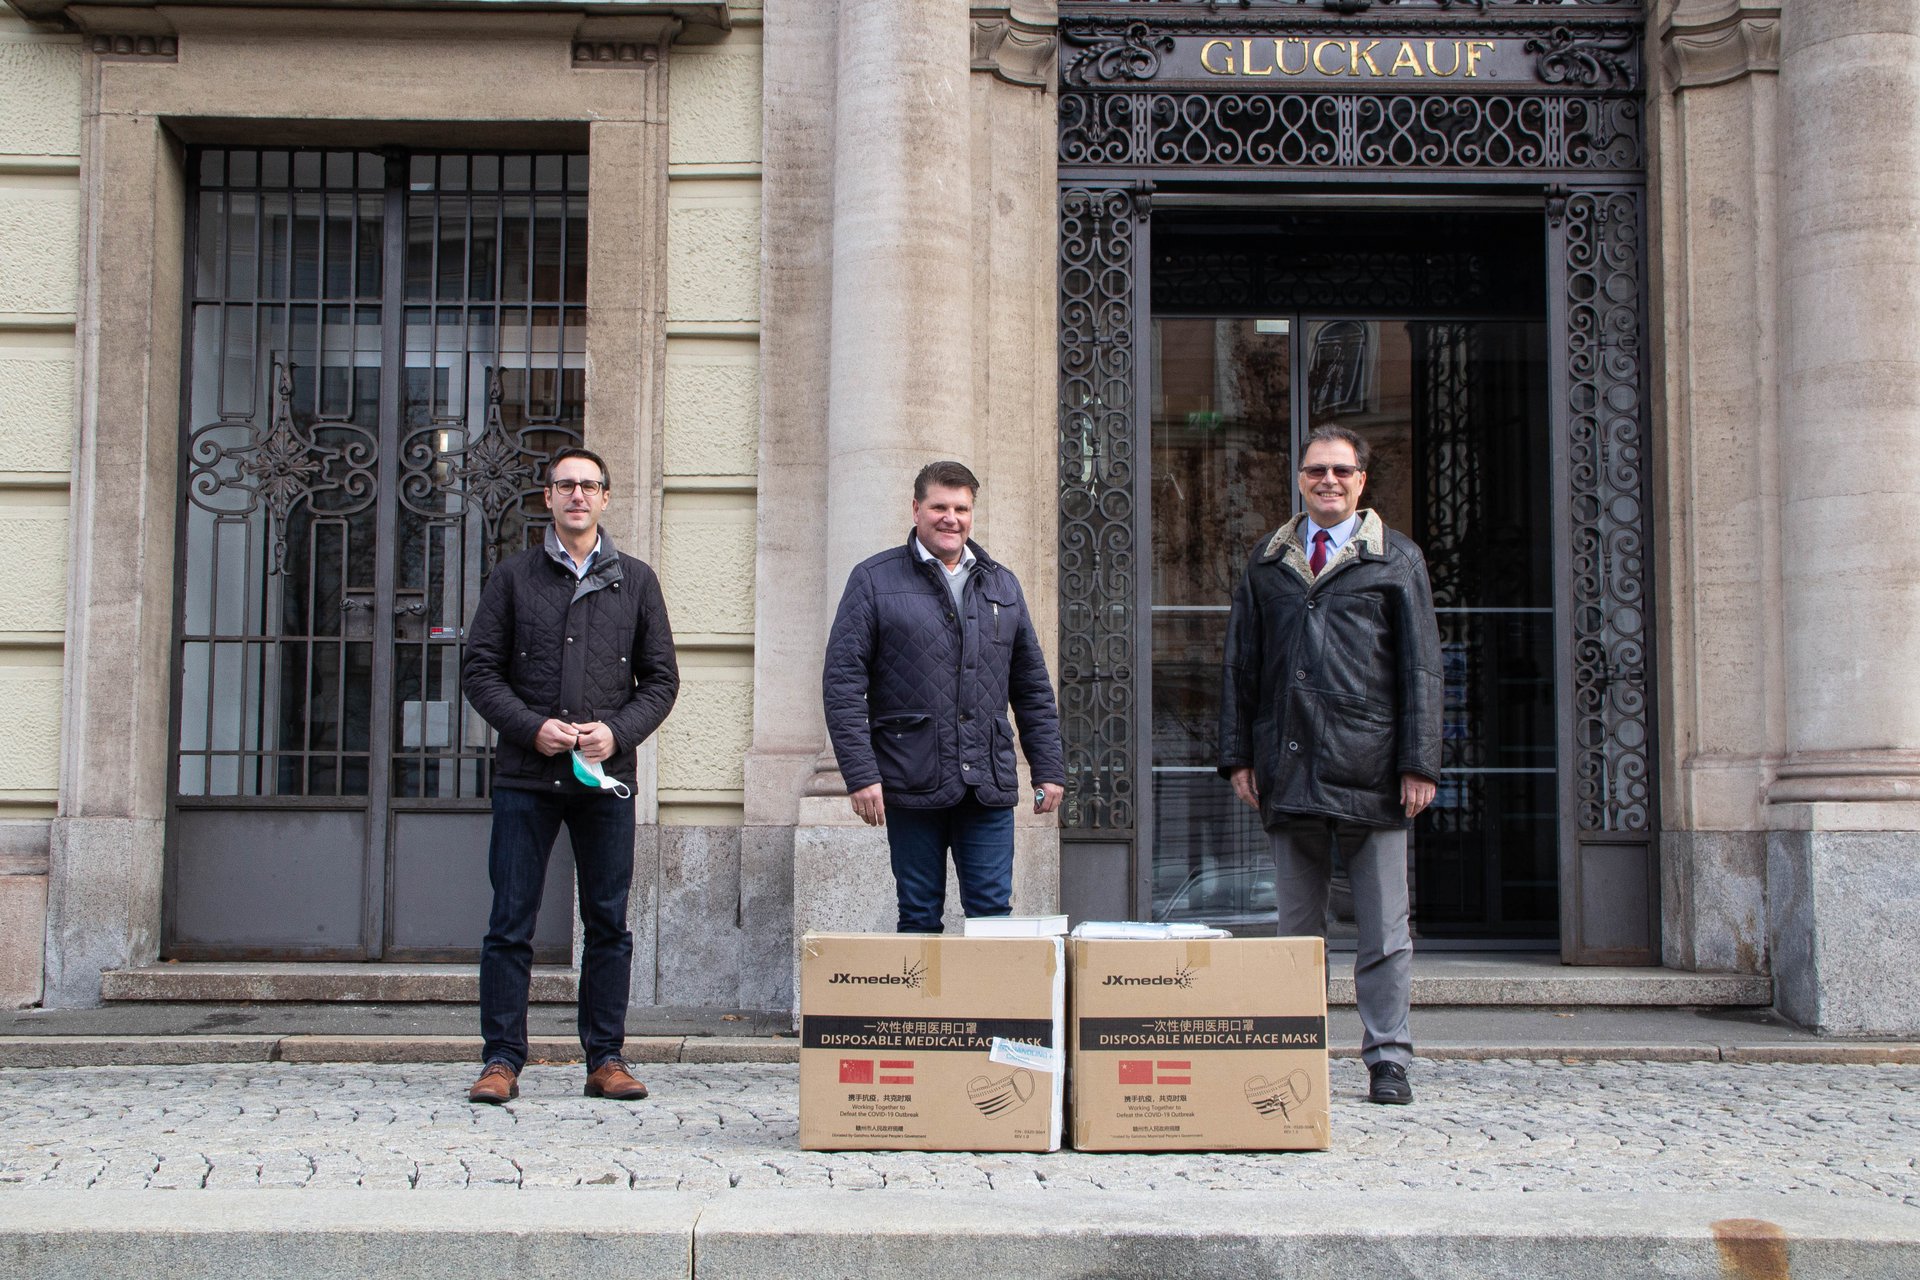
[1370,540]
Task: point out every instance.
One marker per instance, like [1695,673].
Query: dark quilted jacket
[1332,685]
[917,692]
[544,644]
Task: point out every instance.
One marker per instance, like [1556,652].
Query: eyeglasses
[592,488]
[1341,470]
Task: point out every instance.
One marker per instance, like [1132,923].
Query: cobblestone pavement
[1479,1126]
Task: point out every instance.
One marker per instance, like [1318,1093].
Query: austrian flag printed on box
[896,1071]
[1155,1071]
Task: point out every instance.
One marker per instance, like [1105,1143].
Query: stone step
[322,983]
[1440,979]
[424,1234]
[1493,980]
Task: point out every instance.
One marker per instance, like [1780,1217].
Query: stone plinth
[1843,915]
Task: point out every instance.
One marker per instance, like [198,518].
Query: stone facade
[824,251]
[40,94]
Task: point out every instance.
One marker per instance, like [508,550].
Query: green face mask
[590,772]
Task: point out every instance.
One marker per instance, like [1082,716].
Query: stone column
[1715,181]
[942,333]
[1844,853]
[900,383]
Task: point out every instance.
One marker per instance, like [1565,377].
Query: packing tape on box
[1018,1053]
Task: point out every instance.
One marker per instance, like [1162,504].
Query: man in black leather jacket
[1330,726]
[931,643]
[570,658]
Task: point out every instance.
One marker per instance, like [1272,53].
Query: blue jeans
[982,842]
[525,825]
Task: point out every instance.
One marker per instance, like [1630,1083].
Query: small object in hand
[1039,798]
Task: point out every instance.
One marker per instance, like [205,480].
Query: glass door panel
[1455,413]
[1222,476]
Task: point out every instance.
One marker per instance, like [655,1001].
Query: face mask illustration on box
[1269,1096]
[996,1096]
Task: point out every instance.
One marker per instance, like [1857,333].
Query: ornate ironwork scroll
[281,468]
[1097,555]
[1607,461]
[1328,131]
[497,473]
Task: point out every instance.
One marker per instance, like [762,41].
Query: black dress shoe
[1388,1084]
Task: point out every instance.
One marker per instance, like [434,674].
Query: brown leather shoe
[611,1079]
[498,1083]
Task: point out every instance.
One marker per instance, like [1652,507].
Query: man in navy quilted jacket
[931,645]
[570,657]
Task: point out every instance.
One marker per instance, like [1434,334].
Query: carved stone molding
[154,48]
[1591,60]
[614,53]
[1017,42]
[1720,41]
[623,43]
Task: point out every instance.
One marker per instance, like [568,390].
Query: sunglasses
[1341,470]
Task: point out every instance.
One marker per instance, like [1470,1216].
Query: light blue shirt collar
[1337,536]
[581,568]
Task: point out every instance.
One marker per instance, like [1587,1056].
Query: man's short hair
[575,451]
[1340,435]
[948,475]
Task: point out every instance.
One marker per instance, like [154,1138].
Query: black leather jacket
[1332,685]
[546,644]
[917,691]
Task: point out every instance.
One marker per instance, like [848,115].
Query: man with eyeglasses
[570,658]
[1330,726]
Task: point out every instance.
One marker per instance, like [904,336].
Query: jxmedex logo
[1181,977]
[910,975]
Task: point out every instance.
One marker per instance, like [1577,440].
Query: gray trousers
[1376,859]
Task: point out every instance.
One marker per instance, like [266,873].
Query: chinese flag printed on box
[856,1071]
[1136,1071]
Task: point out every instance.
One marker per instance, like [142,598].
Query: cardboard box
[1199,1046]
[915,1042]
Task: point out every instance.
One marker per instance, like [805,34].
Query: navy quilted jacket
[544,644]
[917,691]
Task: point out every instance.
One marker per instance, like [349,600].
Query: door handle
[414,609]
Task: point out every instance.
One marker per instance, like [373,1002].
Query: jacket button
[967,765]
[964,717]
[569,639]
[1309,604]
[1293,746]
[1300,675]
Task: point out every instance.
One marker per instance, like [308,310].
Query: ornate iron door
[1376,95]
[383,350]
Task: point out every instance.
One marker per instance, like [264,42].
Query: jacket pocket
[1006,770]
[907,751]
[1356,743]
[999,612]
